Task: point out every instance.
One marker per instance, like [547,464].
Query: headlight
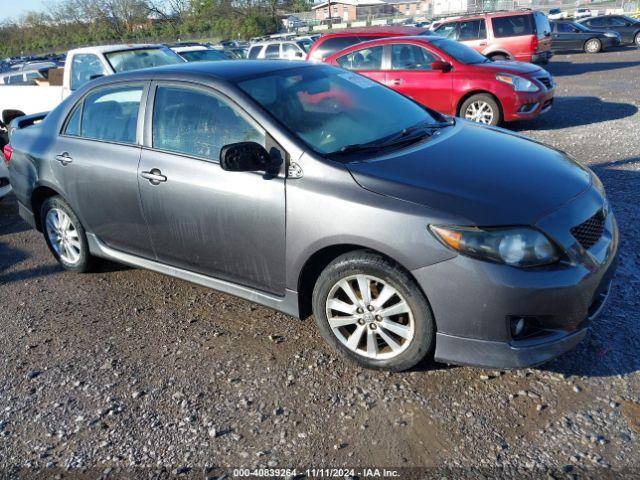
[518,246]
[519,84]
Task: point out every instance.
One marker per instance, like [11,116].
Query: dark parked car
[402,230]
[568,35]
[627,27]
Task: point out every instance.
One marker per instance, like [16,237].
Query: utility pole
[330,16]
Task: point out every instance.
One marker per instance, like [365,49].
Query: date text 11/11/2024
[317,472]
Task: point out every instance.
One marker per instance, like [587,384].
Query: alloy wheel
[63,236]
[593,46]
[370,317]
[480,112]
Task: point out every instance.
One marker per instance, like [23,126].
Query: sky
[15,8]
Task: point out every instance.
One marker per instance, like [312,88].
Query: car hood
[508,66]
[479,175]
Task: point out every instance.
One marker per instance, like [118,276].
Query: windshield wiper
[408,135]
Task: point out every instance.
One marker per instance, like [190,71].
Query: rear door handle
[397,81]
[154,176]
[64,159]
[483,44]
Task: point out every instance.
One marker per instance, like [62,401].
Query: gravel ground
[128,369]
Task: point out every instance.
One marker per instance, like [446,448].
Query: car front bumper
[527,106]
[474,303]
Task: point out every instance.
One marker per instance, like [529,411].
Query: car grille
[546,81]
[589,232]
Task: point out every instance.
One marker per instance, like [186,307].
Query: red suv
[334,42]
[523,35]
[451,78]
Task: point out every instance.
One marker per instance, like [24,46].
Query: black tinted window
[112,114]
[596,22]
[514,26]
[472,30]
[197,123]
[333,45]
[565,28]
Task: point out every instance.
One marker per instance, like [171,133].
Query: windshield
[126,60]
[305,45]
[203,56]
[459,52]
[330,109]
[579,26]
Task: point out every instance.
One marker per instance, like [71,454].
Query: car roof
[385,40]
[190,48]
[382,30]
[114,48]
[226,70]
[508,13]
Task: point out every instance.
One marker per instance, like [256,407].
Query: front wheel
[371,310]
[637,39]
[65,235]
[481,108]
[592,45]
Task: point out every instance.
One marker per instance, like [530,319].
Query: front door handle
[483,44]
[154,176]
[64,159]
[397,81]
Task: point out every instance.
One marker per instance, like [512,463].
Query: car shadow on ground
[562,68]
[576,111]
[613,345]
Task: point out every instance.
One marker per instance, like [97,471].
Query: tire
[593,45]
[636,39]
[499,56]
[412,333]
[481,108]
[72,252]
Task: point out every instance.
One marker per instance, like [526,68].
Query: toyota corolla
[312,189]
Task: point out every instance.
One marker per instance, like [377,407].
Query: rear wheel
[65,235]
[481,108]
[593,45]
[371,310]
[499,56]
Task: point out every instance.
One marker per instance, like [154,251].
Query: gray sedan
[312,189]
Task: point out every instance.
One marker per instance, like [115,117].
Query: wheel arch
[38,196]
[319,260]
[493,53]
[471,93]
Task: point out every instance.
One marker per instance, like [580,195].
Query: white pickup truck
[82,65]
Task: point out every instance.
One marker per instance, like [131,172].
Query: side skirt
[287,304]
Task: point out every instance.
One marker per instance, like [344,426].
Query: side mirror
[299,54]
[441,65]
[245,157]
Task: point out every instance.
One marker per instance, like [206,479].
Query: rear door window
[596,22]
[111,114]
[513,26]
[272,51]
[335,44]
[472,30]
[365,59]
[616,22]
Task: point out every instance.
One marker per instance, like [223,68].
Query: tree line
[70,23]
